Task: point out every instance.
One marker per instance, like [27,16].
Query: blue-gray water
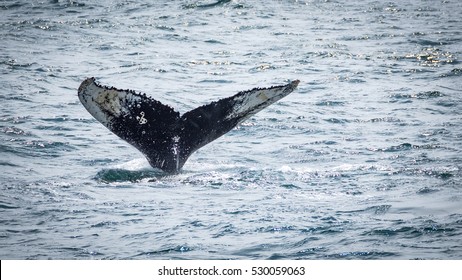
[363,161]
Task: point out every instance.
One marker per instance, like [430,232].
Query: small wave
[262,68]
[198,5]
[48,148]
[14,130]
[447,103]
[53,127]
[305,174]
[290,186]
[214,42]
[385,119]
[12,6]
[421,95]
[432,56]
[14,64]
[337,121]
[36,148]
[272,229]
[15,120]
[165,28]
[454,73]
[431,172]
[219,81]
[324,230]
[406,147]
[250,27]
[429,227]
[427,190]
[123,175]
[5,206]
[173,249]
[363,255]
[330,103]
[6,163]
[406,231]
[59,119]
[104,224]
[376,210]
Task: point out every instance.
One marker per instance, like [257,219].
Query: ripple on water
[123,175]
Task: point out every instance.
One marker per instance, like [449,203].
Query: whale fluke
[159,132]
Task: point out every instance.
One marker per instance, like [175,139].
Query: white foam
[134,165]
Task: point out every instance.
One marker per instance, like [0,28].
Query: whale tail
[159,132]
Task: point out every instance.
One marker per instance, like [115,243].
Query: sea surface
[362,161]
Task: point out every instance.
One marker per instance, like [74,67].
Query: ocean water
[362,161]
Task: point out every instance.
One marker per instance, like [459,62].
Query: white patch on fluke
[109,100]
[253,101]
[263,96]
[106,103]
[176,150]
